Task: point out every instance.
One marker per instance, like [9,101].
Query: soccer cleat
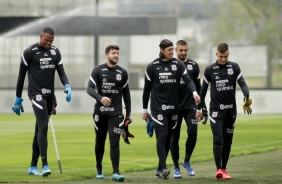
[177,173]
[118,177]
[100,176]
[46,171]
[188,168]
[219,174]
[158,174]
[165,174]
[33,170]
[225,175]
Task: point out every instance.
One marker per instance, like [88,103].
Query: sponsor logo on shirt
[44,90]
[44,63]
[167,107]
[229,106]
[221,85]
[164,78]
[107,87]
[107,109]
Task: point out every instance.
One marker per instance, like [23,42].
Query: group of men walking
[172,85]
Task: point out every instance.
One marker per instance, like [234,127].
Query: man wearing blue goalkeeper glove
[68,92]
[18,107]
[41,60]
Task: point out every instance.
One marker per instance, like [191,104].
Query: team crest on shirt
[118,77]
[173,67]
[214,114]
[38,98]
[160,117]
[53,52]
[230,71]
[189,67]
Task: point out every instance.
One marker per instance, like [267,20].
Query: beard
[113,62]
[182,57]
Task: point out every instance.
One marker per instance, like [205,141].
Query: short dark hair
[181,42]
[110,47]
[222,47]
[165,43]
[48,30]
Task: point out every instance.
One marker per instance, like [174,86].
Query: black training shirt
[162,80]
[112,83]
[223,79]
[41,64]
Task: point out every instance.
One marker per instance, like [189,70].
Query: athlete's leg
[174,141]
[160,122]
[192,130]
[100,127]
[115,131]
[228,132]
[35,148]
[217,130]
[40,109]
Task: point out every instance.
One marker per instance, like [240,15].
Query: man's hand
[145,116]
[18,107]
[196,97]
[199,116]
[106,101]
[68,92]
[205,116]
[246,105]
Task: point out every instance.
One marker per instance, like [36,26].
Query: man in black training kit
[187,111]
[41,60]
[222,76]
[108,84]
[162,80]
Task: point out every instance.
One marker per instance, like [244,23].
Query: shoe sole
[166,175]
[118,179]
[46,174]
[187,171]
[177,177]
[219,176]
[227,178]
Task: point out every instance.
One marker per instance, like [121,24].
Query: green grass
[75,137]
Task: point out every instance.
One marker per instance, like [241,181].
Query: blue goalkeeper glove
[18,107]
[150,127]
[68,91]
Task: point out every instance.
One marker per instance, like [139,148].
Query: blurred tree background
[251,22]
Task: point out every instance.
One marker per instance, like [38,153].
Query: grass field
[75,136]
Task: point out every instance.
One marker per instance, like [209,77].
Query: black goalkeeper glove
[125,132]
[246,105]
[205,116]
